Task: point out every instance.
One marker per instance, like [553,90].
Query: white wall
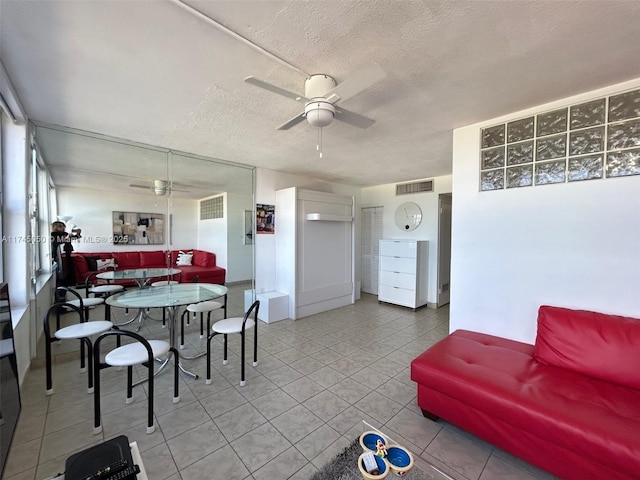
[240,255]
[385,196]
[574,245]
[92,211]
[212,234]
[267,182]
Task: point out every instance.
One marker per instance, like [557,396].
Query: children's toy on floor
[381,449]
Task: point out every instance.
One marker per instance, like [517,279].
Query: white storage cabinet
[402,278]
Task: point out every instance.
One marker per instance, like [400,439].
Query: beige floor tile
[158,462]
[466,457]
[316,380]
[260,446]
[326,405]
[239,421]
[283,466]
[21,457]
[274,403]
[296,423]
[224,462]
[195,444]
[316,442]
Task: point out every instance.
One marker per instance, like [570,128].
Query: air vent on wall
[415,187]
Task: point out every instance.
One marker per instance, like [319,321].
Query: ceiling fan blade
[353,118]
[290,123]
[146,187]
[178,190]
[272,88]
[358,82]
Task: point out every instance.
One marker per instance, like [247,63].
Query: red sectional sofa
[203,264]
[569,404]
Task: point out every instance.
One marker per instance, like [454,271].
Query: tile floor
[316,380]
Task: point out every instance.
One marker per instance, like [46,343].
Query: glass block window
[212,208]
[591,140]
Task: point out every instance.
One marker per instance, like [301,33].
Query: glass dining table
[141,276]
[171,298]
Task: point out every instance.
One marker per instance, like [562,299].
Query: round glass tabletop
[167,295]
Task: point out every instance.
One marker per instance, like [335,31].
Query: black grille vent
[415,187]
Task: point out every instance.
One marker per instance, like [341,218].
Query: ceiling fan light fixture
[319,113]
[160,187]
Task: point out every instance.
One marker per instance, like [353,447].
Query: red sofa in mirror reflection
[203,264]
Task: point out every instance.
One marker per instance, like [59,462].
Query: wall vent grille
[414,187]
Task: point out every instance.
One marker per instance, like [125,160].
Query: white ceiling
[153,72]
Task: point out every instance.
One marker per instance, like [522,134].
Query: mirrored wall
[124,196]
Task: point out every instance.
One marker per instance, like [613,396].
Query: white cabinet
[402,278]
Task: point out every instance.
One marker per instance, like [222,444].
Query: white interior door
[371,235]
[444,248]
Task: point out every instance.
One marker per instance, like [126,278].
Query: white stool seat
[106,289]
[236,325]
[232,325]
[85,329]
[162,283]
[207,306]
[86,302]
[135,353]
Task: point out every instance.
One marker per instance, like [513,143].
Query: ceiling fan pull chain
[319,145]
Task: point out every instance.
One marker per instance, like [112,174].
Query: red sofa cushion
[205,274]
[80,266]
[599,345]
[203,259]
[155,258]
[127,259]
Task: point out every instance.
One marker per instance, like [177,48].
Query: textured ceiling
[155,73]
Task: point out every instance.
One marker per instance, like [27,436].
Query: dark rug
[344,466]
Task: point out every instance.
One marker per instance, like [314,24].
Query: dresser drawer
[397,264]
[398,249]
[399,296]
[397,279]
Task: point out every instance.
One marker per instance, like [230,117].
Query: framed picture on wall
[131,228]
[265,219]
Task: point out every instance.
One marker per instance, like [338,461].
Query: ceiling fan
[159,187]
[322,93]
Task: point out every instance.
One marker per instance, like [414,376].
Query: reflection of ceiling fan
[159,187]
[321,93]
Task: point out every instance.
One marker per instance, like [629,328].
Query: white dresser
[402,278]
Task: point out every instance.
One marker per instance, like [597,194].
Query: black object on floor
[106,461]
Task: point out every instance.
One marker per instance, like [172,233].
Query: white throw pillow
[109,263]
[184,259]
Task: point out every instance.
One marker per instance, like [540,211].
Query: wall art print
[265,219]
[132,228]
